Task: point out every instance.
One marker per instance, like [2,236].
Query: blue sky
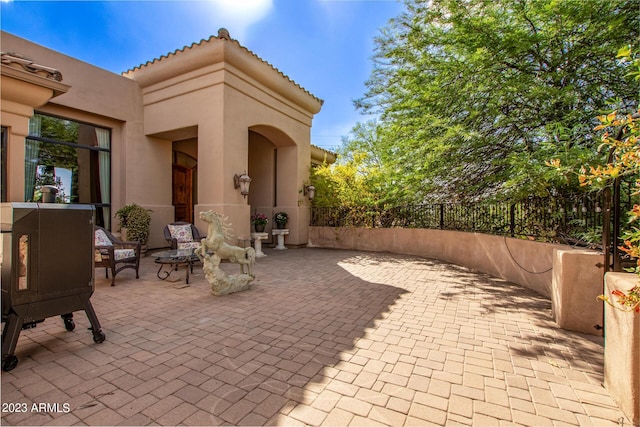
[323,45]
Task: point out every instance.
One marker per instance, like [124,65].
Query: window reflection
[72,156]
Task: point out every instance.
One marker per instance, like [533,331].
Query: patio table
[175,258]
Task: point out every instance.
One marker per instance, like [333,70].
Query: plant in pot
[281,218]
[134,223]
[259,221]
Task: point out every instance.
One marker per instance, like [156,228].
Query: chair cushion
[182,233]
[101,239]
[119,254]
[188,245]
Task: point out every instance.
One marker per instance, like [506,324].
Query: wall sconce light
[242,182]
[310,191]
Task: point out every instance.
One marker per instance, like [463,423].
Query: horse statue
[214,243]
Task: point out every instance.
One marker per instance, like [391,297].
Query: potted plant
[281,218]
[134,223]
[259,221]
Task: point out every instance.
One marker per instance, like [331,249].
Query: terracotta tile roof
[11,58]
[223,34]
[324,149]
[321,155]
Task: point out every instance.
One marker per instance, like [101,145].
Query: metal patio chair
[182,235]
[114,254]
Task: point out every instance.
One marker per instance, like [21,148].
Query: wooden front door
[182,193]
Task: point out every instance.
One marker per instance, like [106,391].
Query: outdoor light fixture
[242,182]
[310,191]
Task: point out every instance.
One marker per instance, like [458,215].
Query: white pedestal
[257,243]
[280,233]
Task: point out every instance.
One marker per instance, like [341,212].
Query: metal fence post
[512,220]
[617,261]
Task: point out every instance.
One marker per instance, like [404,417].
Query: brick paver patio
[323,337]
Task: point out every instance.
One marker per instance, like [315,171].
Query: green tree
[355,179]
[475,95]
[620,137]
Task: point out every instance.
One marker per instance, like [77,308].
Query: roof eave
[222,49]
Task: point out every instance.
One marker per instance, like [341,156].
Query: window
[74,157]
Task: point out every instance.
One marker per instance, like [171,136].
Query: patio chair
[182,235]
[114,254]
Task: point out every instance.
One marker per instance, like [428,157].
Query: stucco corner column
[577,281]
[622,349]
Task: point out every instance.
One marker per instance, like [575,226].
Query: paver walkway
[324,337]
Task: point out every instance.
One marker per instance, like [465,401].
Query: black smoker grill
[47,268]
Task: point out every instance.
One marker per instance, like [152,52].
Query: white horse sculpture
[214,242]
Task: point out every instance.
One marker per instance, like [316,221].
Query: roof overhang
[223,50]
[320,155]
[29,83]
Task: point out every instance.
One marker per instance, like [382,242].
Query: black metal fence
[573,220]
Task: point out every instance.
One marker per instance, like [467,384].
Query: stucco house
[169,135]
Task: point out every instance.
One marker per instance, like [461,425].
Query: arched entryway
[272,166]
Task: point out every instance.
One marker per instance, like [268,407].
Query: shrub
[136,220]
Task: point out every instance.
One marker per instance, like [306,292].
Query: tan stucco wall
[105,99]
[19,99]
[22,91]
[212,93]
[578,277]
[225,93]
[622,349]
[518,261]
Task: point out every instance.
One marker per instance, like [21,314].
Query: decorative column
[280,233]
[257,242]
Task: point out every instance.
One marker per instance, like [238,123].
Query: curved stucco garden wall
[524,262]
